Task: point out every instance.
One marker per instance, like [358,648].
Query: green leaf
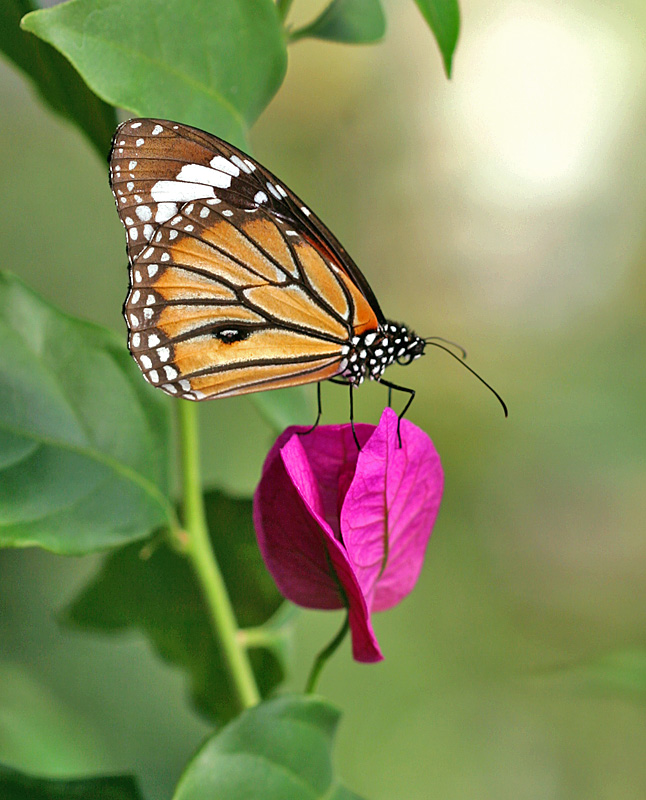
[283,407]
[443,17]
[83,440]
[16,785]
[154,589]
[348,21]
[215,65]
[39,733]
[56,80]
[279,750]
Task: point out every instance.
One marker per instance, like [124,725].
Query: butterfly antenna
[472,371]
[431,339]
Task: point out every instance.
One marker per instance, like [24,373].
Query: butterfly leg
[351,385]
[320,411]
[410,392]
[354,433]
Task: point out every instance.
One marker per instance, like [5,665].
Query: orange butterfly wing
[231,290]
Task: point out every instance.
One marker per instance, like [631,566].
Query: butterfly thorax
[368,355]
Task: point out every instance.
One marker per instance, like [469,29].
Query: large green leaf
[39,733]
[154,590]
[215,65]
[348,21]
[83,440]
[16,785]
[57,81]
[443,18]
[280,750]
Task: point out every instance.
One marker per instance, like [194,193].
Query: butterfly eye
[405,359]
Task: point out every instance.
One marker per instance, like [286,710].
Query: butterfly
[236,286]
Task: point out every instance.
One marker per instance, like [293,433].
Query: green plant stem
[283,7]
[200,553]
[326,654]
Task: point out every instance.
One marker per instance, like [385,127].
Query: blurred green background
[505,209]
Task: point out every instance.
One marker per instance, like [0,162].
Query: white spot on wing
[224,165]
[240,163]
[146,362]
[196,173]
[136,339]
[165,211]
[180,192]
[152,270]
[157,130]
[135,125]
[171,372]
[139,142]
[163,353]
[144,213]
[132,165]
[153,340]
[260,197]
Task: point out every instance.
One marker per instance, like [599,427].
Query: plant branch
[326,654]
[283,7]
[197,548]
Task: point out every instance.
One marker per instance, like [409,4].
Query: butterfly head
[368,354]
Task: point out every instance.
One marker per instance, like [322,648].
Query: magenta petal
[332,457]
[390,509]
[299,547]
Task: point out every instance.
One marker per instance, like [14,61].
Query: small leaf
[16,785]
[215,65]
[281,408]
[57,81]
[279,750]
[83,440]
[443,18]
[348,21]
[154,589]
